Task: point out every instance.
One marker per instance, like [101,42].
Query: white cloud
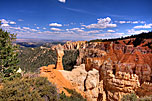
[110,31]
[12,22]
[55,29]
[55,25]
[5,25]
[27,28]
[101,24]
[133,31]
[37,27]
[132,22]
[63,1]
[3,21]
[118,34]
[122,22]
[76,29]
[93,31]
[34,30]
[135,22]
[107,35]
[81,31]
[143,26]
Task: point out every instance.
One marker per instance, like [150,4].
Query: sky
[75,19]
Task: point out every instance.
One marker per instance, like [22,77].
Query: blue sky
[75,19]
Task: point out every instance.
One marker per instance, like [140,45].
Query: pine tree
[8,55]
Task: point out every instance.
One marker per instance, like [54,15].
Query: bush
[74,96]
[129,97]
[34,88]
[133,97]
[29,89]
[146,98]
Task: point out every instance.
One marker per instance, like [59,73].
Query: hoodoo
[60,54]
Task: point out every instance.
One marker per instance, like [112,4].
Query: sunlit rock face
[123,70]
[87,82]
[111,70]
[119,80]
[75,45]
[57,78]
[60,53]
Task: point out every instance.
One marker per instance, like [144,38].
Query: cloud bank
[101,24]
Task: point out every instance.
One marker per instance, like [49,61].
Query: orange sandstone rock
[60,53]
[56,77]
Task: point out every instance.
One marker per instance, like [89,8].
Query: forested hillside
[33,58]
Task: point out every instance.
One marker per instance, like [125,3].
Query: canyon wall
[111,70]
[120,78]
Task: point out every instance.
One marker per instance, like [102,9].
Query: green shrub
[29,89]
[34,88]
[129,97]
[74,96]
[146,98]
[133,97]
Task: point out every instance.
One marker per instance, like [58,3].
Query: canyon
[105,71]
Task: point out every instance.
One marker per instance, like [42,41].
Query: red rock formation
[119,80]
[123,68]
[144,89]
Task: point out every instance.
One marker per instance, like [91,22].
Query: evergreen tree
[8,56]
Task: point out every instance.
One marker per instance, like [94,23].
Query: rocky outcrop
[75,45]
[120,84]
[117,80]
[144,89]
[56,77]
[113,69]
[69,45]
[60,53]
[91,52]
[87,82]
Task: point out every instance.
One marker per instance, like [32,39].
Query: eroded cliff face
[123,67]
[87,82]
[120,78]
[111,70]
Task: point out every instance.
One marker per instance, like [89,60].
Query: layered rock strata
[87,82]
